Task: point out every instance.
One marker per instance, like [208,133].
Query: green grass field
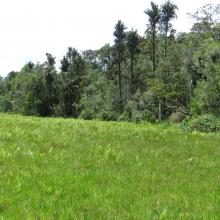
[72,169]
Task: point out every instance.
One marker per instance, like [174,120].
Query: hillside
[72,169]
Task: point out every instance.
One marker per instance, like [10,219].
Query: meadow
[52,168]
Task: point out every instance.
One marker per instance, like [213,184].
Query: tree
[50,82]
[38,88]
[138,78]
[37,100]
[73,71]
[90,57]
[106,61]
[207,92]
[31,65]
[64,64]
[205,17]
[133,41]
[154,18]
[216,31]
[168,12]
[120,37]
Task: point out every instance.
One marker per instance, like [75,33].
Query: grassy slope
[72,169]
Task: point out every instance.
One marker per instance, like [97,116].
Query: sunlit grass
[72,169]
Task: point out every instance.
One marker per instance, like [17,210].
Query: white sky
[30,28]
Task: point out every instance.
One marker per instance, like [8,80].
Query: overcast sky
[30,28]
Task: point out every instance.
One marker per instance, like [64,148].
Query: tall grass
[74,169]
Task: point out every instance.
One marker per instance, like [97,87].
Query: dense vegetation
[139,78]
[74,169]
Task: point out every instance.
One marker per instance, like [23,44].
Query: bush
[87,114]
[177,117]
[107,115]
[124,117]
[137,117]
[5,105]
[204,123]
[142,116]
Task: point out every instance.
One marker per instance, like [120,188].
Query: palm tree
[168,12]
[120,37]
[133,41]
[154,18]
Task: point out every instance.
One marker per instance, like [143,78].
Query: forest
[163,75]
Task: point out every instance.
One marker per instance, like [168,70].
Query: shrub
[107,115]
[149,116]
[124,117]
[5,105]
[204,123]
[177,117]
[142,116]
[87,114]
[137,117]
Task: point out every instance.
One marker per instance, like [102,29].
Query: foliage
[207,92]
[177,117]
[138,78]
[120,38]
[168,12]
[87,114]
[204,123]
[154,17]
[205,18]
[5,105]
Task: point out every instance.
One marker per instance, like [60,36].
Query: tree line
[138,78]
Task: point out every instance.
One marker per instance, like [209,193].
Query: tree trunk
[119,78]
[132,74]
[159,111]
[190,91]
[166,40]
[165,48]
[154,49]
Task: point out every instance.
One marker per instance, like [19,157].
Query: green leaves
[153,14]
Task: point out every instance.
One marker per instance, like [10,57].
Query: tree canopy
[138,78]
